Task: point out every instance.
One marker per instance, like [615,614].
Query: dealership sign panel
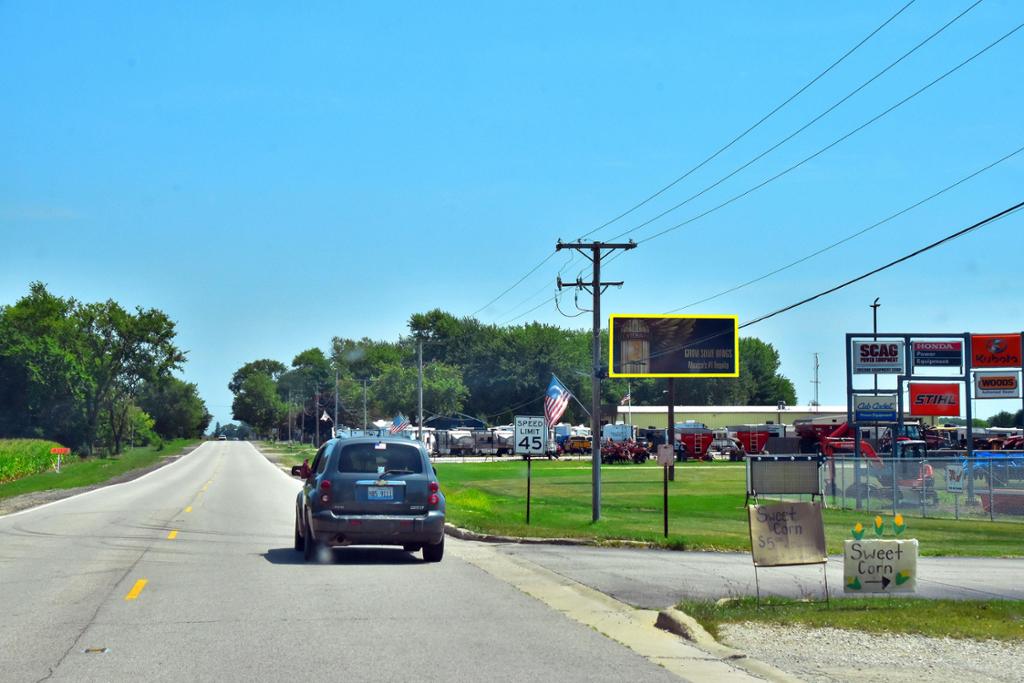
[674,346]
[996,385]
[933,398]
[878,357]
[938,354]
[870,408]
[995,351]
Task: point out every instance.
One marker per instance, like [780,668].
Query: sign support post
[665,496]
[529,437]
[529,480]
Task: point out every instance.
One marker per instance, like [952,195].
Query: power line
[713,156]
[959,233]
[834,142]
[755,125]
[516,284]
[802,128]
[852,235]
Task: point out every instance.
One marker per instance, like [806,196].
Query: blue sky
[273,176]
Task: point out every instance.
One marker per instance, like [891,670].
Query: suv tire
[433,552]
[309,545]
[300,540]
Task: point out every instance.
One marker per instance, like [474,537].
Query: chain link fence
[947,484]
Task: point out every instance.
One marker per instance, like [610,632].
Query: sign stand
[530,437]
[787,535]
[529,481]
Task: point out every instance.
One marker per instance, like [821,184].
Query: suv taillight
[325,491]
[433,499]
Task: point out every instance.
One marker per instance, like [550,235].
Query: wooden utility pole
[595,251]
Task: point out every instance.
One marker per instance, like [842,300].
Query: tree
[443,390]
[258,404]
[176,408]
[1006,419]
[271,368]
[43,381]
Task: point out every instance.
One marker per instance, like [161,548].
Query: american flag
[398,424]
[625,400]
[555,401]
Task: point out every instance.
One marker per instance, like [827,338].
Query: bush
[22,457]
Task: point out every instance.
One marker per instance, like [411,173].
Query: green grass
[77,472]
[21,457]
[705,508]
[998,619]
[288,454]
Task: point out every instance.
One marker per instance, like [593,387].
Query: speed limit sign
[531,435]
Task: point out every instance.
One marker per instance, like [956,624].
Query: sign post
[530,436]
[59,452]
[666,458]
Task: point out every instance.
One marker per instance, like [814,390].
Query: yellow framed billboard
[653,345]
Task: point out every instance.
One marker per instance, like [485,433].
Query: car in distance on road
[370,491]
[222,438]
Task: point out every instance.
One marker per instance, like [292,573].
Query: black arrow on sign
[885,583]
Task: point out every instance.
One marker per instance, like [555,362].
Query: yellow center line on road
[171,535]
[136,589]
[188,509]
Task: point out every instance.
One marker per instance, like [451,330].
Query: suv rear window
[365,458]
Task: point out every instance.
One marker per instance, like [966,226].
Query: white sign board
[997,384]
[955,478]
[880,566]
[530,434]
[665,455]
[877,357]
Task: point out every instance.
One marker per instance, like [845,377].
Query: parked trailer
[753,438]
[454,441]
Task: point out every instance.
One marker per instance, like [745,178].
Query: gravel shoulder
[36,498]
[838,655]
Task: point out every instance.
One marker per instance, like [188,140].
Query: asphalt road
[188,574]
[655,579]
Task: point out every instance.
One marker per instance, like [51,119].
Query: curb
[467,535]
[686,627]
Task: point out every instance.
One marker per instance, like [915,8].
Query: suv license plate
[380,493]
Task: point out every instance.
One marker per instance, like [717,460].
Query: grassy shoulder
[705,508]
[287,454]
[981,620]
[77,472]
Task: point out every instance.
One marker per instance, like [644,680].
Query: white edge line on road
[102,487]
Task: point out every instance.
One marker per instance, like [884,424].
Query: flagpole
[573,395]
[629,395]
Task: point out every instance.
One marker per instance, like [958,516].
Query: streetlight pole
[419,388]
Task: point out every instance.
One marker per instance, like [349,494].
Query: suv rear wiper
[396,471]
